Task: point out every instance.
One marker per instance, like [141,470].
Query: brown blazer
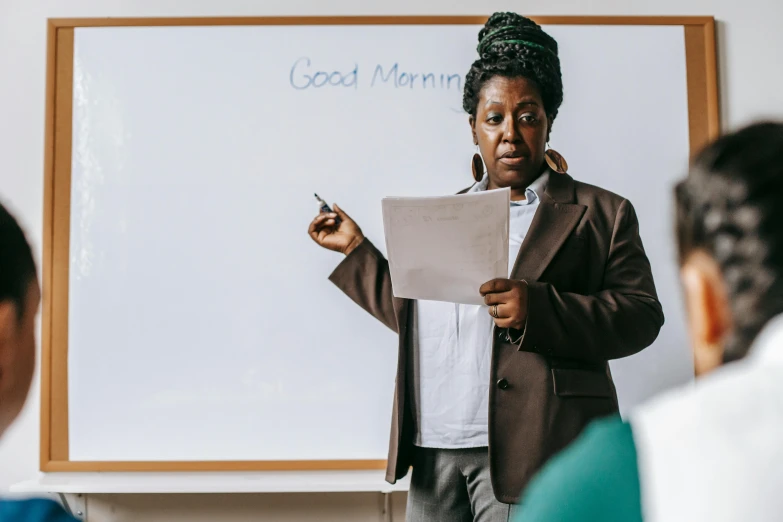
[591,298]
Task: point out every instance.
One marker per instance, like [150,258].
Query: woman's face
[511,129]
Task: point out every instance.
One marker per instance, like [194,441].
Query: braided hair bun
[513,46]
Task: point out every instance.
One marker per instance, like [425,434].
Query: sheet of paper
[445,248]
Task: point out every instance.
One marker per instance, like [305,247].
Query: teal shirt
[33,510]
[594,479]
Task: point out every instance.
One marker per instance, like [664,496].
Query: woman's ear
[548,127]
[709,313]
[8,324]
[472,122]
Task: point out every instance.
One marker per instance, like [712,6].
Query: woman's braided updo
[731,207]
[513,46]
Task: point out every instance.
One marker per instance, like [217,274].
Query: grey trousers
[453,486]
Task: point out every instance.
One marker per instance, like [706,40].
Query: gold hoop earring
[477,166]
[556,161]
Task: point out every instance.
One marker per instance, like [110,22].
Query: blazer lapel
[555,219]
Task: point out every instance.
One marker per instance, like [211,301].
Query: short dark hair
[731,207]
[513,46]
[17,267]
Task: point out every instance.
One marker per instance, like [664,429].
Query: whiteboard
[201,322]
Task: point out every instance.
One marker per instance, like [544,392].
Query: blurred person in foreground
[712,451]
[20,297]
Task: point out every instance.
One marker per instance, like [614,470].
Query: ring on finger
[494,311]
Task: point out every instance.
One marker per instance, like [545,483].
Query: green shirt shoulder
[33,510]
[594,479]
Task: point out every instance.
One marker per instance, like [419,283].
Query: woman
[19,300]
[713,452]
[485,394]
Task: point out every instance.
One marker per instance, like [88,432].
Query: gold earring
[556,161]
[477,166]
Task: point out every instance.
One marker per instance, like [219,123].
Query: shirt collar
[532,192]
[768,346]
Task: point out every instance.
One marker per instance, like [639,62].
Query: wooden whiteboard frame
[703,123]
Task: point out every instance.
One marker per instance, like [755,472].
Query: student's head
[512,94]
[19,300]
[730,235]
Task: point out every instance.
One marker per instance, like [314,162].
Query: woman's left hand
[510,297]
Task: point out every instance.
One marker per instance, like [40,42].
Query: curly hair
[513,46]
[730,207]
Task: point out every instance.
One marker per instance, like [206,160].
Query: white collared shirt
[713,450]
[452,352]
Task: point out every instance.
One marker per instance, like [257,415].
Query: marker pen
[326,208]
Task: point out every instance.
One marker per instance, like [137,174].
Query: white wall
[750,42]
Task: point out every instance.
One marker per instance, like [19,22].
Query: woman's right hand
[341,238]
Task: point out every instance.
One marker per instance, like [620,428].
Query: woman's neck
[517,193]
[518,190]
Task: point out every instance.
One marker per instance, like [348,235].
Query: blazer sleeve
[364,277]
[620,320]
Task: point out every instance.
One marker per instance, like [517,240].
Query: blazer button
[503,384]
